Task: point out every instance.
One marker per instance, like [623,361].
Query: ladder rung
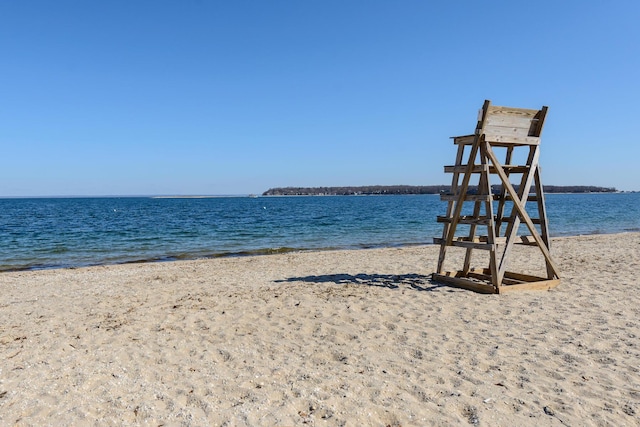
[449,197]
[467,197]
[519,240]
[481,220]
[464,140]
[508,198]
[466,244]
[480,168]
[497,141]
[466,219]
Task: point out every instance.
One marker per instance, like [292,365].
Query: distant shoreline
[413,189]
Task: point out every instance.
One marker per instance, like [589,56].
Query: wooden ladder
[498,209]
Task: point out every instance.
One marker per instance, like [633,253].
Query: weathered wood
[544,226]
[510,136]
[465,283]
[450,207]
[523,277]
[479,280]
[488,278]
[481,220]
[509,120]
[523,214]
[497,127]
[503,194]
[465,219]
[509,123]
[467,175]
[517,199]
[519,143]
[480,169]
[467,197]
[463,140]
[465,244]
[507,198]
[463,189]
[538,121]
[496,279]
[519,240]
[498,110]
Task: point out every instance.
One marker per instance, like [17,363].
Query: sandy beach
[336,338]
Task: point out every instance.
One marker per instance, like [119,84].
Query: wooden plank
[507,198]
[476,239]
[512,111]
[544,226]
[512,230]
[502,142]
[465,219]
[485,288]
[543,285]
[497,127]
[509,121]
[518,281]
[450,207]
[524,188]
[463,189]
[523,277]
[523,213]
[488,278]
[467,197]
[461,282]
[463,140]
[484,182]
[510,135]
[519,240]
[479,169]
[472,245]
[464,244]
[538,122]
[491,232]
[503,192]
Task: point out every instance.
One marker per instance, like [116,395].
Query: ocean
[40,233]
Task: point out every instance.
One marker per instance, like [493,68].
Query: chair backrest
[510,125]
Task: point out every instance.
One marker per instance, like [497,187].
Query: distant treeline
[415,189]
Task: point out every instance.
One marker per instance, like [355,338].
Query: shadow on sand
[418,282]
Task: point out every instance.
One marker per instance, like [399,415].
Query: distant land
[415,189]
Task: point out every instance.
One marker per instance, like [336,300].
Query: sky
[136,97]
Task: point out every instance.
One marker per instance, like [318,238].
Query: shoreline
[347,337]
[256,252]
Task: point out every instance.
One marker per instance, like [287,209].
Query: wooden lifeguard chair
[500,208]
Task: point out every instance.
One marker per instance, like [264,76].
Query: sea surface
[41,233]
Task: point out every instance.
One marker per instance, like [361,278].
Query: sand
[323,338]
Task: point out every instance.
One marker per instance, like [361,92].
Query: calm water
[49,233]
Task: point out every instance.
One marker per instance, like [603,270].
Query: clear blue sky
[234,97]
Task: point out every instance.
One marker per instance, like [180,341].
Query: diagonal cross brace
[522,213]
